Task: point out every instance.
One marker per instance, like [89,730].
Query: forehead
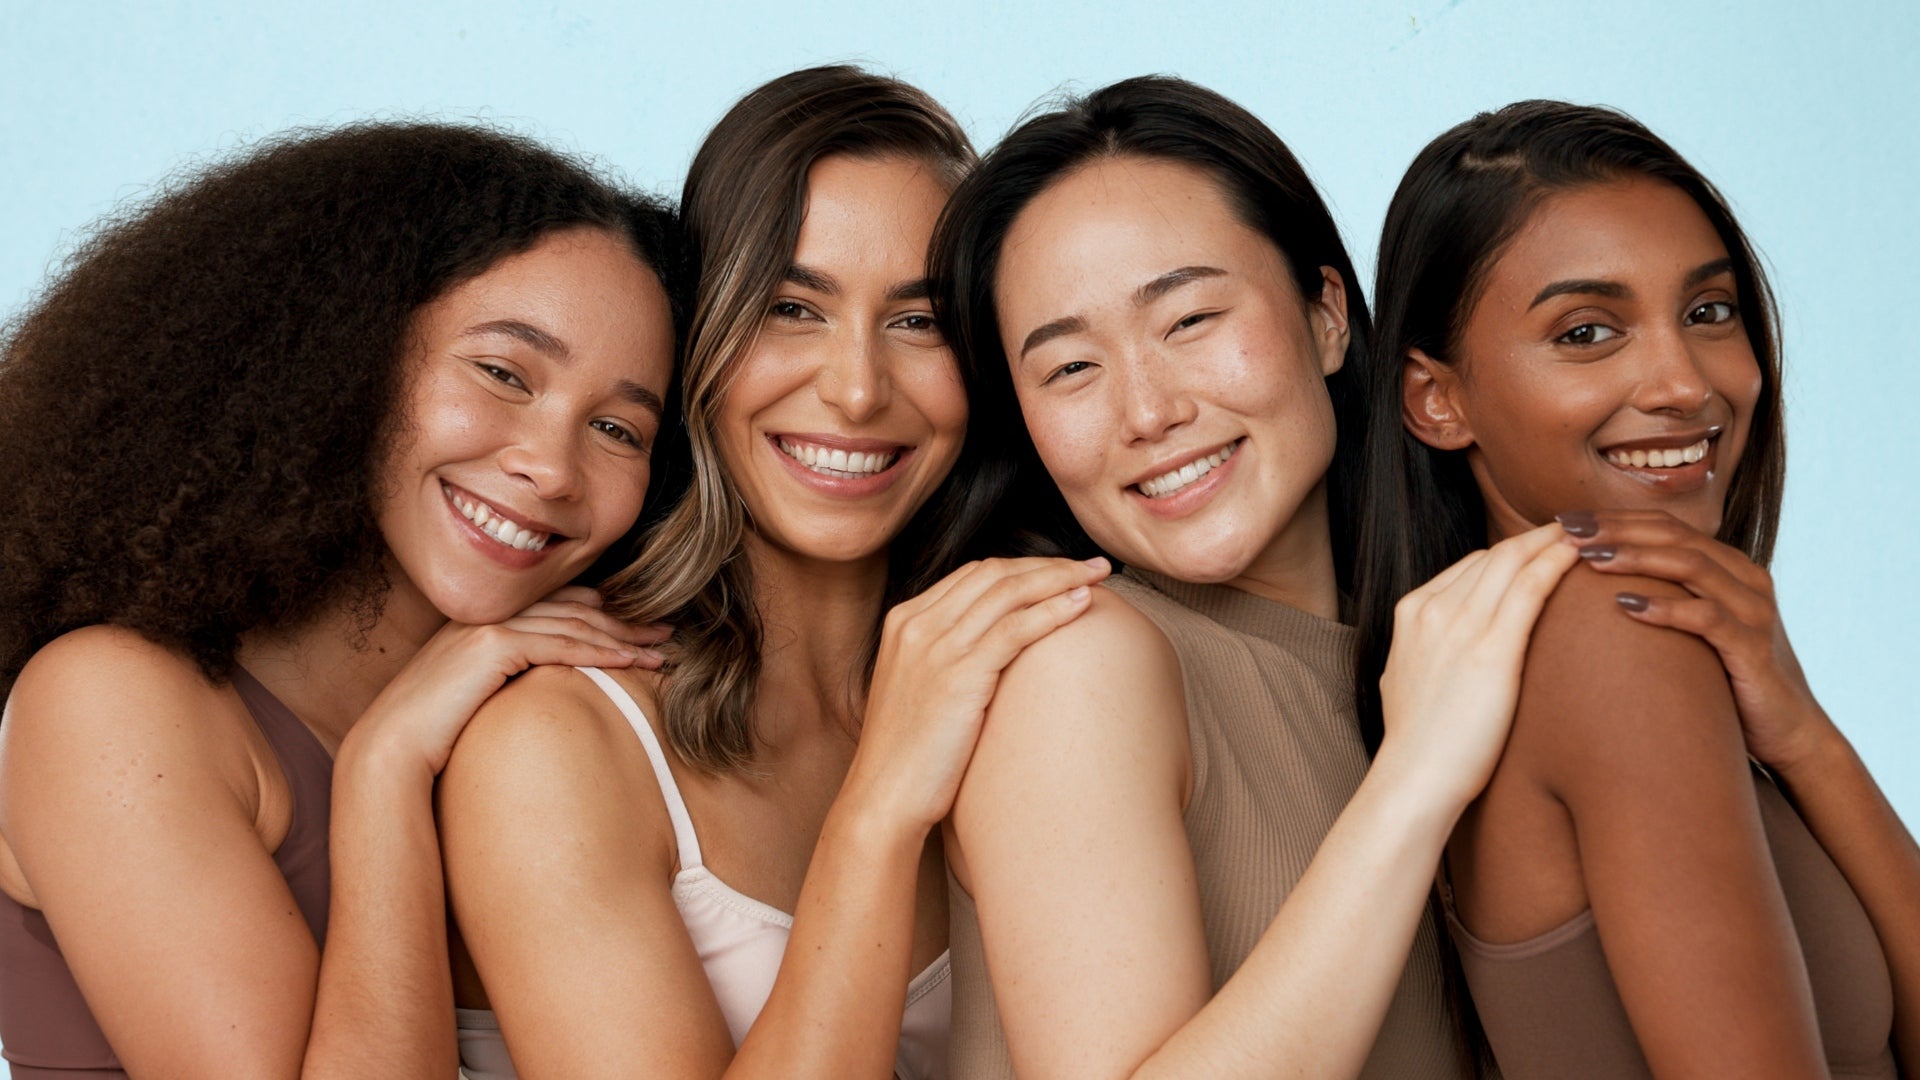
[1630,230]
[868,208]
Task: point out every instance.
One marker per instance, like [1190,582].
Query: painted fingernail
[1631,601]
[1578,522]
[1597,552]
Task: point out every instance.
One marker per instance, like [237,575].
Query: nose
[855,378]
[1674,381]
[1151,400]
[544,454]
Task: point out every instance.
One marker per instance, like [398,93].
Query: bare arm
[1633,729]
[132,803]
[1071,842]
[547,926]
[1730,605]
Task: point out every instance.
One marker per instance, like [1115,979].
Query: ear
[1328,318]
[1429,403]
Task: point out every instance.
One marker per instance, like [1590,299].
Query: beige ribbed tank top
[1276,755]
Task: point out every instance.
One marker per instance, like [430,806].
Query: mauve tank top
[47,1029]
[1550,1008]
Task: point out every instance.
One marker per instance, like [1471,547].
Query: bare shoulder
[1601,689]
[104,711]
[101,696]
[550,751]
[1098,700]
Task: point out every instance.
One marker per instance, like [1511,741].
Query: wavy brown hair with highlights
[745,196]
[193,414]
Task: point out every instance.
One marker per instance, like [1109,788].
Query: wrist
[1818,748]
[1428,798]
[366,761]
[865,816]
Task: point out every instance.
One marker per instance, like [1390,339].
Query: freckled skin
[1233,355]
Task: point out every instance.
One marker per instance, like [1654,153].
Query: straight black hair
[1161,118]
[1465,196]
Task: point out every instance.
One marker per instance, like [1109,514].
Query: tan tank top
[47,1030]
[1550,1008]
[1276,755]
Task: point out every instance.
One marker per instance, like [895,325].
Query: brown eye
[1707,314]
[1587,334]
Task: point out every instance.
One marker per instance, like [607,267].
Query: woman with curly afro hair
[299,460]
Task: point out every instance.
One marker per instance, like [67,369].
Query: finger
[1017,630]
[1658,528]
[576,594]
[1443,580]
[562,651]
[1505,560]
[1526,594]
[638,634]
[1015,592]
[967,591]
[527,629]
[1704,618]
[1688,567]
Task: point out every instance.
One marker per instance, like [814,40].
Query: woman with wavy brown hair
[730,868]
[291,457]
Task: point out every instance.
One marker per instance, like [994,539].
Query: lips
[504,527]
[1177,479]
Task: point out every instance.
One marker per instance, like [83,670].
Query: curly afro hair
[193,413]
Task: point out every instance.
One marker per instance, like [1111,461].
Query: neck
[815,616]
[1296,568]
[329,668]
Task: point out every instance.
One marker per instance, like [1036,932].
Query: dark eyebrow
[1144,295]
[809,278]
[1612,289]
[526,333]
[643,397]
[1072,324]
[1171,280]
[1708,270]
[910,290]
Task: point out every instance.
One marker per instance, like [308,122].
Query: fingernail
[1597,552]
[1098,562]
[1080,593]
[663,629]
[1631,601]
[1578,522]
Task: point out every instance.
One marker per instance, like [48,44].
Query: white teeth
[490,522]
[1660,459]
[1175,479]
[842,463]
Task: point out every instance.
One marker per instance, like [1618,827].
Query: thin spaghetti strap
[683,835]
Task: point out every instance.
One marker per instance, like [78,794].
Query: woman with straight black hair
[1574,325]
[1171,854]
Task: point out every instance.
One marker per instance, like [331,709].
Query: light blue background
[1808,119]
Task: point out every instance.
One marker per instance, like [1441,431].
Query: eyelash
[1192,320]
[1567,338]
[502,375]
[1732,313]
[1072,367]
[618,432]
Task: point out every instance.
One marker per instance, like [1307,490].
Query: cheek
[937,393]
[1071,437]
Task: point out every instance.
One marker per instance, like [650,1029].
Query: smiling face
[531,403]
[1172,375]
[847,411]
[1604,366]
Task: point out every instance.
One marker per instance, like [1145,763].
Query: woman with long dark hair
[730,868]
[1171,853]
[1574,324]
[291,457]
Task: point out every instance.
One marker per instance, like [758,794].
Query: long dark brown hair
[193,414]
[745,197]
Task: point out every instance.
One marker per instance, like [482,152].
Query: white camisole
[740,942]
